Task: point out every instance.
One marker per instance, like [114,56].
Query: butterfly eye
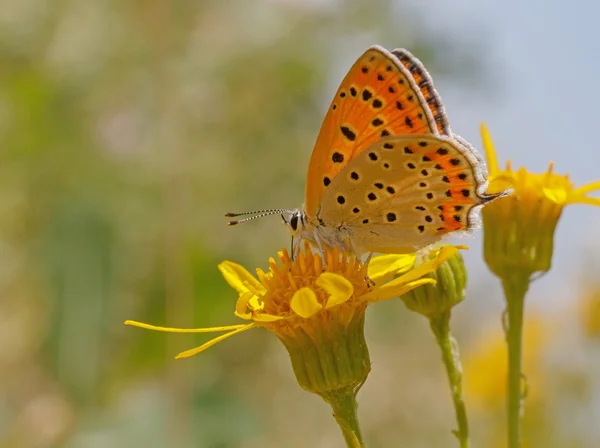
[294,222]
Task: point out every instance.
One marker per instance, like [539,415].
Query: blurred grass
[126,130]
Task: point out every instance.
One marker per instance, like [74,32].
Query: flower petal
[245,316]
[384,266]
[264,317]
[579,195]
[500,182]
[442,255]
[390,291]
[408,280]
[134,323]
[339,288]
[588,188]
[236,275]
[490,152]
[585,200]
[241,306]
[304,303]
[255,304]
[557,195]
[194,351]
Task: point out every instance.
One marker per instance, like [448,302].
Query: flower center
[289,278]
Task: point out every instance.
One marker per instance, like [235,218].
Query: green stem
[514,291]
[344,405]
[440,325]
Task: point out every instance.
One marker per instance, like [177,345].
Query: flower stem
[515,289]
[440,325]
[344,405]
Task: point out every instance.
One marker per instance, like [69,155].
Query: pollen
[338,281]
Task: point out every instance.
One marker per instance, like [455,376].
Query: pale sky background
[543,56]
[538,100]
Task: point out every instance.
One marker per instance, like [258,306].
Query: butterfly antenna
[256,214]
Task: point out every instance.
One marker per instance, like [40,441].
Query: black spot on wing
[337,157]
[348,133]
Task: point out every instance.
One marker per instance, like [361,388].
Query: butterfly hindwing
[405,192]
[379,97]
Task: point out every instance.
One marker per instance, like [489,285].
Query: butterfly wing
[423,80]
[406,192]
[379,97]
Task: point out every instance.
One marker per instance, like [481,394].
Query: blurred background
[127,129]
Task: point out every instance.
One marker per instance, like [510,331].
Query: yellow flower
[519,229]
[518,241]
[589,313]
[317,309]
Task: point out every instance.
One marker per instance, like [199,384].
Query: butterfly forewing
[379,97]
[405,192]
[425,84]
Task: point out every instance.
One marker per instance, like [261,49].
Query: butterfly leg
[352,247]
[318,241]
[293,249]
[296,248]
[367,261]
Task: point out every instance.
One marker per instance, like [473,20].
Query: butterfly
[386,174]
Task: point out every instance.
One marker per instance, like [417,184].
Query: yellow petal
[256,288]
[585,200]
[194,351]
[245,316]
[499,183]
[339,288]
[236,275]
[490,152]
[443,254]
[384,266]
[304,303]
[389,291]
[134,323]
[256,304]
[592,186]
[557,195]
[264,317]
[446,252]
[578,196]
[241,306]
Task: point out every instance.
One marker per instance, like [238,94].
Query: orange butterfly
[386,173]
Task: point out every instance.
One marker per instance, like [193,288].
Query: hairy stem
[440,325]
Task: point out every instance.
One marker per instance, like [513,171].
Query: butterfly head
[295,220]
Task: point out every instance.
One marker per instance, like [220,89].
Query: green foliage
[127,129]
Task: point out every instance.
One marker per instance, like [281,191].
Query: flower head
[317,309]
[589,313]
[519,229]
[436,300]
